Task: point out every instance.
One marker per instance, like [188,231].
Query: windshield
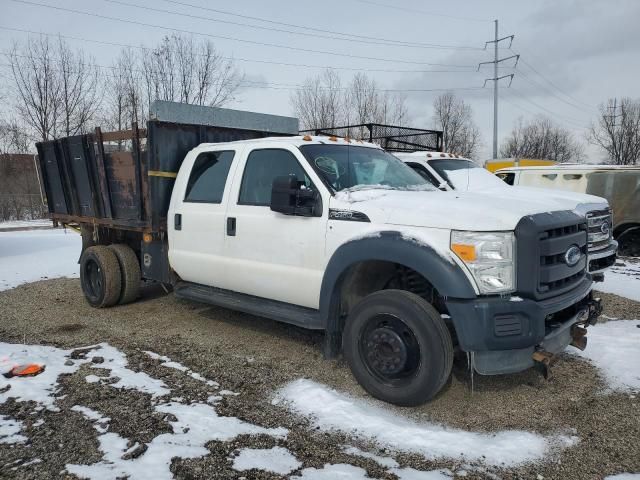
[465,175]
[346,167]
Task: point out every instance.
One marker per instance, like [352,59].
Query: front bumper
[602,259]
[503,333]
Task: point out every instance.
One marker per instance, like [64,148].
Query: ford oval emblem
[572,255]
[604,228]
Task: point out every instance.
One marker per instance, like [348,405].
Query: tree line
[55,90]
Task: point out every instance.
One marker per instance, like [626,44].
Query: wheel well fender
[390,246]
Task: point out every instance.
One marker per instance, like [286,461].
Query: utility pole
[496,79]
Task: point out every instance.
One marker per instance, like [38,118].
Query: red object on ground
[27,370]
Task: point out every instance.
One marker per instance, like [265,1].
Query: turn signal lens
[466,253]
[147,238]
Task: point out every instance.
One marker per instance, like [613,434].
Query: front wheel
[398,347]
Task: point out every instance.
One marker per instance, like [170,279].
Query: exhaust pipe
[543,361]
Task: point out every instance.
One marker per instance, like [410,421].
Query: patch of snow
[475,178]
[92,379]
[384,461]
[167,362]
[101,423]
[38,422]
[29,256]
[196,425]
[10,430]
[277,460]
[515,298]
[624,476]
[331,410]
[406,473]
[333,472]
[116,362]
[40,388]
[622,279]
[42,222]
[31,462]
[228,392]
[614,348]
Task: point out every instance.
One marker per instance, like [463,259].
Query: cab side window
[507,177]
[208,177]
[261,168]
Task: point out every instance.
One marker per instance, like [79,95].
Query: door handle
[231,226]
[177,221]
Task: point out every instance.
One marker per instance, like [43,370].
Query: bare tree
[322,102]
[542,139]
[319,103]
[37,86]
[78,78]
[181,70]
[455,118]
[124,102]
[56,88]
[618,134]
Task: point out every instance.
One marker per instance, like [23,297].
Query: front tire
[100,276]
[398,347]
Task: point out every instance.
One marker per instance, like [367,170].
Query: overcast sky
[575,54]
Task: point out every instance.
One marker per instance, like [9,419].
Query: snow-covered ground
[330,410]
[614,348]
[623,279]
[40,223]
[29,256]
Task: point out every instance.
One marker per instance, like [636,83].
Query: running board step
[261,307]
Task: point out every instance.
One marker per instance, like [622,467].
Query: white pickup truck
[452,173]
[340,236]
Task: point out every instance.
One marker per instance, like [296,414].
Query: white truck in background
[453,173]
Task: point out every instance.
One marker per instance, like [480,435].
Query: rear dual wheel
[109,275]
[398,347]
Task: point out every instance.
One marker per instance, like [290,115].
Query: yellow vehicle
[493,165]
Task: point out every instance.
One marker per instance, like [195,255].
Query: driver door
[270,254]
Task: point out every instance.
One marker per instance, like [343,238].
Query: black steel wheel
[100,276]
[398,347]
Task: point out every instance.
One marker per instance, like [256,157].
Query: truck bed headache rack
[390,137]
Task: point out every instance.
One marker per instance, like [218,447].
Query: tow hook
[579,338]
[595,310]
[543,361]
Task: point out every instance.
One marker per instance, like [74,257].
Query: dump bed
[124,179]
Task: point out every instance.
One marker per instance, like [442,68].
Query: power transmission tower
[496,79]
[614,116]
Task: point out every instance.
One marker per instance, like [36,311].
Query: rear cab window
[208,177]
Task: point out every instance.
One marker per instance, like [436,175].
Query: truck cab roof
[296,140]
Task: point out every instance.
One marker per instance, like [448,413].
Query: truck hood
[488,210]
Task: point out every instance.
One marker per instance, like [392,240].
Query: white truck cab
[452,173]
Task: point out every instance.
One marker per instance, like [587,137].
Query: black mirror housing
[289,197]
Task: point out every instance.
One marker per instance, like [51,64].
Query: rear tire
[100,276]
[398,347]
[130,273]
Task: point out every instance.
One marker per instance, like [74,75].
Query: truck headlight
[489,257]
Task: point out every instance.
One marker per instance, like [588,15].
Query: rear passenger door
[272,255]
[196,221]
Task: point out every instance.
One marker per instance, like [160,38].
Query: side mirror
[288,196]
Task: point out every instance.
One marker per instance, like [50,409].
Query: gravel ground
[254,357]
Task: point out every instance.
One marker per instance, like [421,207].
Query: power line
[393,43]
[303,27]
[423,12]
[258,84]
[566,118]
[252,42]
[546,79]
[241,59]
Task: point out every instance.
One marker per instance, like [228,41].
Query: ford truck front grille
[600,229]
[551,253]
